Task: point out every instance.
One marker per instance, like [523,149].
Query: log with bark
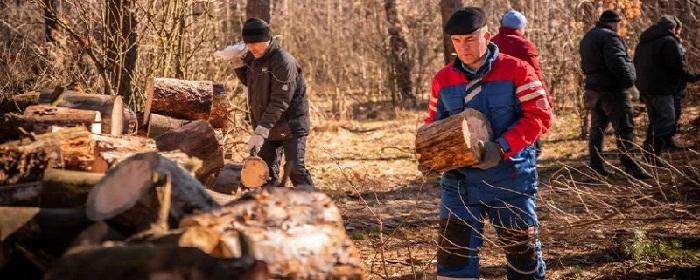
[196,139]
[189,100]
[452,142]
[298,234]
[128,195]
[159,124]
[58,189]
[42,118]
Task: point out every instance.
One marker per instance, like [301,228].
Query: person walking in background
[279,107]
[609,82]
[662,76]
[511,40]
[503,185]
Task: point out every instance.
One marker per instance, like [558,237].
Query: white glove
[236,53]
[633,93]
[256,140]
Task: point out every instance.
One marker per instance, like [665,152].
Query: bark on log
[41,118]
[25,160]
[127,195]
[58,189]
[298,234]
[130,122]
[159,124]
[229,178]
[452,142]
[110,107]
[196,139]
[189,100]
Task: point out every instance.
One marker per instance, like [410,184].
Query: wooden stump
[41,118]
[127,196]
[452,142]
[196,139]
[159,124]
[298,234]
[189,100]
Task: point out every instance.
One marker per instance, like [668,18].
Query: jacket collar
[491,55]
[510,31]
[274,46]
[604,26]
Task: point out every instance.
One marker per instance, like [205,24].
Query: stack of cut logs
[88,189]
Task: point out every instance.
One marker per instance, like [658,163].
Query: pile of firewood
[86,192]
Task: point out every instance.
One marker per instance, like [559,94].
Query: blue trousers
[461,233]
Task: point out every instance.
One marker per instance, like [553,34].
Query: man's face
[257,48]
[471,48]
[614,26]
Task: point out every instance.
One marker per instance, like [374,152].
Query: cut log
[196,139]
[298,234]
[229,178]
[127,195]
[152,262]
[110,107]
[58,189]
[159,124]
[254,173]
[189,100]
[452,142]
[25,160]
[41,118]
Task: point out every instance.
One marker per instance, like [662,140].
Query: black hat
[609,16]
[465,21]
[256,30]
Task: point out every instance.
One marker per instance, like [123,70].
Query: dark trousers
[293,149]
[678,107]
[661,110]
[615,108]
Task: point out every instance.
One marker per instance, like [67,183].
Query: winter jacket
[276,93]
[512,42]
[513,99]
[661,69]
[605,62]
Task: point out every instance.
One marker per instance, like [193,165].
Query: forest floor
[591,227]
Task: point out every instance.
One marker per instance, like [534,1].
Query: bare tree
[399,61]
[259,9]
[121,45]
[52,10]
[447,8]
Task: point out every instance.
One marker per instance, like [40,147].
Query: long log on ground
[58,189]
[189,100]
[25,160]
[196,139]
[127,196]
[41,118]
[452,142]
[159,124]
[298,234]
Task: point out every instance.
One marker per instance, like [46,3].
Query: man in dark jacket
[662,76]
[610,78]
[279,108]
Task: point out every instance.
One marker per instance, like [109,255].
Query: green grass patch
[642,248]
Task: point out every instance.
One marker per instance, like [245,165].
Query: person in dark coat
[279,107]
[610,77]
[662,75]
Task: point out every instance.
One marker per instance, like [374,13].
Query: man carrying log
[503,184]
[279,108]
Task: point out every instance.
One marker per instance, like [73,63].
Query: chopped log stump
[196,139]
[42,118]
[159,124]
[298,234]
[127,196]
[452,142]
[189,100]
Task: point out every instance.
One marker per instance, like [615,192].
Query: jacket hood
[654,32]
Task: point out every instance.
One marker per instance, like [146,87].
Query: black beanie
[256,30]
[609,16]
[465,21]
[668,22]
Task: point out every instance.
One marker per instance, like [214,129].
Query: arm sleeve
[242,72]
[673,59]
[617,61]
[534,103]
[282,87]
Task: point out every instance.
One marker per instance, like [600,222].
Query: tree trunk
[128,194]
[57,189]
[259,9]
[159,124]
[452,142]
[447,8]
[52,10]
[196,139]
[189,100]
[41,118]
[298,234]
[121,45]
[398,52]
